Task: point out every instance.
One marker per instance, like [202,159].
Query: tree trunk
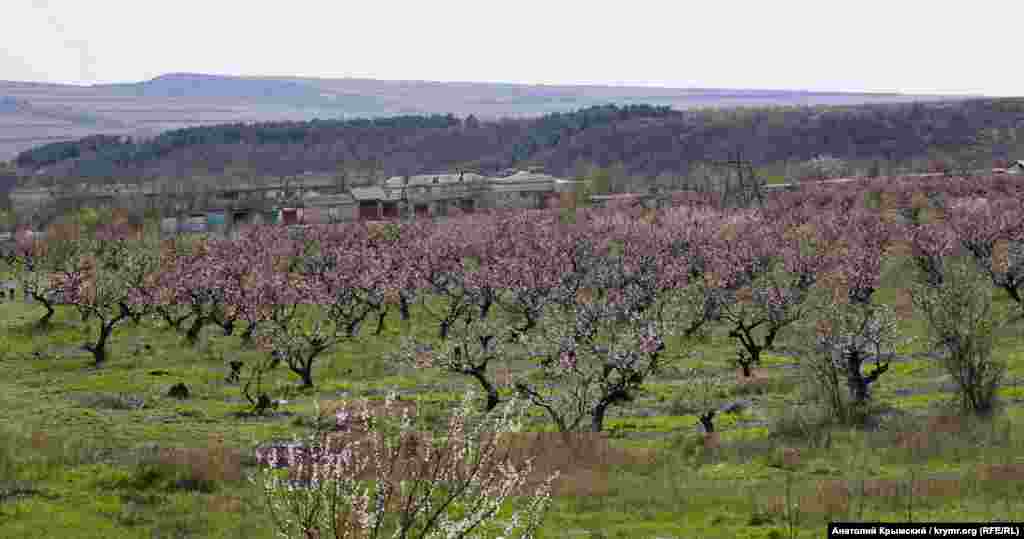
[380,321]
[352,328]
[307,376]
[489,389]
[99,350]
[44,322]
[753,350]
[597,419]
[707,421]
[303,367]
[858,388]
[859,384]
[249,330]
[175,324]
[747,371]
[1011,289]
[531,322]
[485,308]
[192,335]
[403,307]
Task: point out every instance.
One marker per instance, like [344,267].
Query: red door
[368,211]
[290,217]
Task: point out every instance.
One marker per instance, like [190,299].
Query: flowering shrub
[385,478]
[843,339]
[959,312]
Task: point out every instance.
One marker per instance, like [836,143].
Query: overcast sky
[913,46]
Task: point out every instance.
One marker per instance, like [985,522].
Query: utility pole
[748,184]
[404,202]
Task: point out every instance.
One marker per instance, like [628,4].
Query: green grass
[73,464]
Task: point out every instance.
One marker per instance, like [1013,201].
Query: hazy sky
[914,46]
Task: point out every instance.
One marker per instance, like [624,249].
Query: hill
[645,140]
[54,112]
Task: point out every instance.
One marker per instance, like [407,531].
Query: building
[527,190]
[309,199]
[432,195]
[1016,167]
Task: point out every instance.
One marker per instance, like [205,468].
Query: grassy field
[104,453]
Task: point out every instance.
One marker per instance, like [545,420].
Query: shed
[169,226]
[195,223]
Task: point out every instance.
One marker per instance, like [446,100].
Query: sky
[910,46]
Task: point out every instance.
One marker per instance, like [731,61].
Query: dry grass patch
[1001,472]
[833,497]
[946,424]
[711,440]
[40,440]
[757,382]
[214,463]
[904,305]
[225,504]
[934,430]
[583,460]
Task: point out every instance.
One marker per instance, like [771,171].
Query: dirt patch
[834,496]
[583,460]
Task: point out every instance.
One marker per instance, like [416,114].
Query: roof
[621,196]
[374,192]
[330,200]
[428,179]
[526,177]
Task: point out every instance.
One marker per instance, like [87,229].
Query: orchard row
[594,293]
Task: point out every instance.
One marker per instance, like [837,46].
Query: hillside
[646,140]
[54,112]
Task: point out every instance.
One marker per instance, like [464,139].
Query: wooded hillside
[645,140]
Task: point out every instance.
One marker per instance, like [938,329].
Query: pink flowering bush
[386,479]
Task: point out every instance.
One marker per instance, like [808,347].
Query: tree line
[647,141]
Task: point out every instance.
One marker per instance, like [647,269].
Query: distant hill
[247,90]
[32,114]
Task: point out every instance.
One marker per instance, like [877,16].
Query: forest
[643,141]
